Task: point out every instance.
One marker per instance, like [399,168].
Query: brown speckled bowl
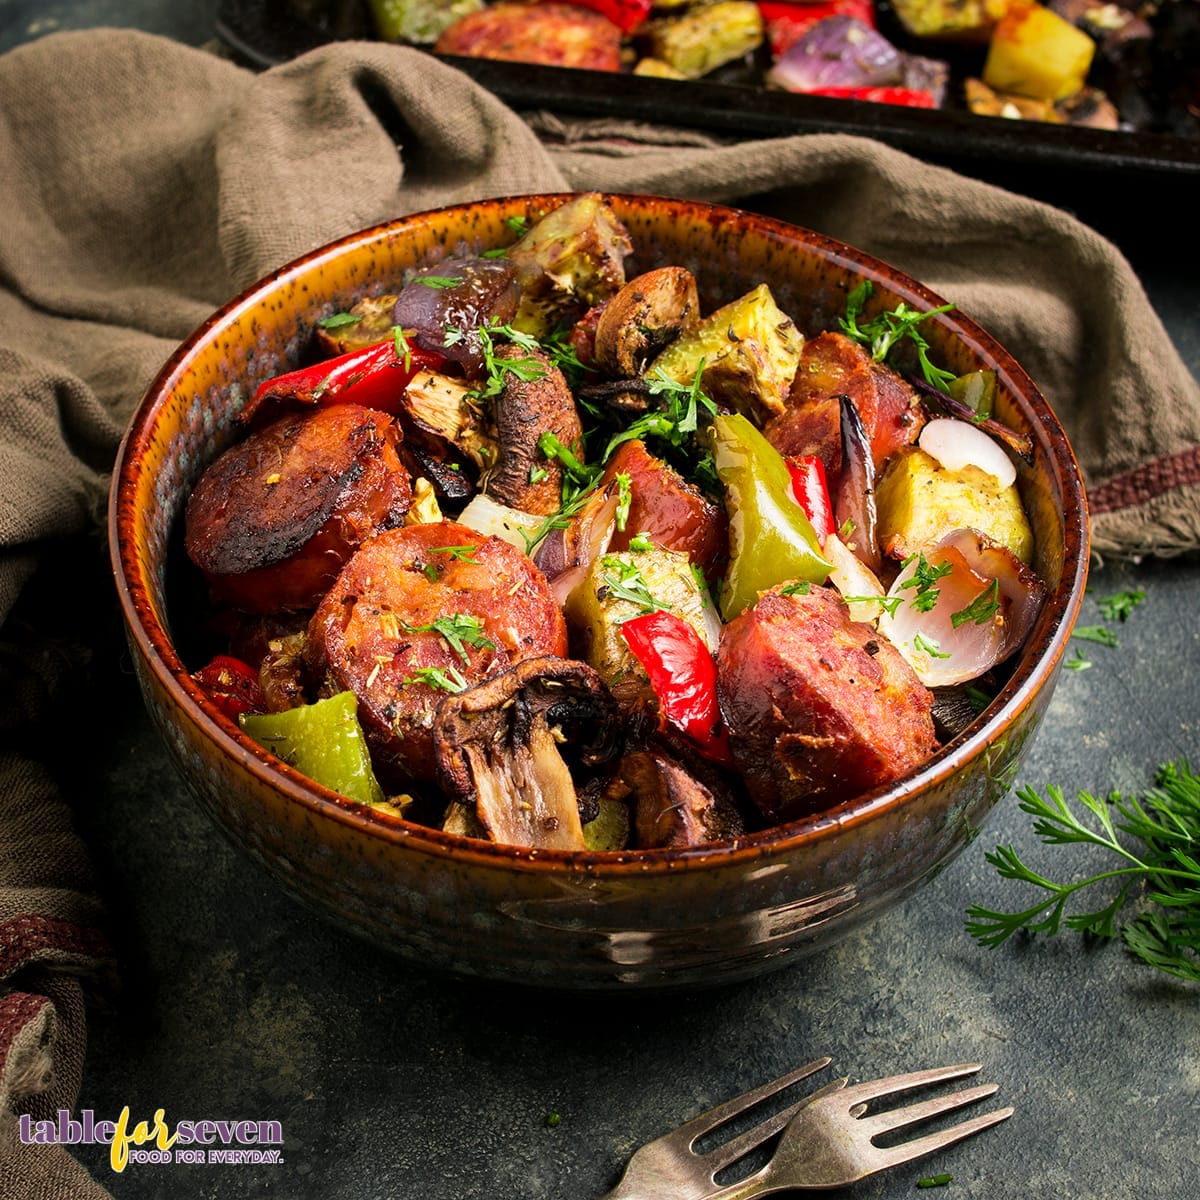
[646,918]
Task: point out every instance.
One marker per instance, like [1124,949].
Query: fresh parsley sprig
[1165,871]
[882,332]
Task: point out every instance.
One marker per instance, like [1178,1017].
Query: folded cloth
[145,183]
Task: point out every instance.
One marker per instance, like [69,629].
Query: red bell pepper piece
[906,97]
[626,15]
[811,491]
[684,678]
[232,685]
[374,377]
[788,23]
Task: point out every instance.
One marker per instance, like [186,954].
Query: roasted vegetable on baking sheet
[669,601]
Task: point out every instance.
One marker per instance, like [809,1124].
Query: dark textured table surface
[390,1082]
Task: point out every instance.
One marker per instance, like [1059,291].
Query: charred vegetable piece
[499,747]
[770,538]
[748,351]
[440,411]
[419,21]
[571,259]
[855,507]
[918,500]
[819,707]
[838,52]
[373,378]
[684,678]
[609,829]
[1034,52]
[445,306]
[554,35]
[950,20]
[618,587]
[671,806]
[366,323]
[232,685]
[626,15]
[323,741]
[788,22]
[705,37]
[274,518]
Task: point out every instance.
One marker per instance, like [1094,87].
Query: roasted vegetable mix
[1128,64]
[559,559]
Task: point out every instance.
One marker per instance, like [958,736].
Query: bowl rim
[1037,666]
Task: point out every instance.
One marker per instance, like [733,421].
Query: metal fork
[670,1167]
[830,1142]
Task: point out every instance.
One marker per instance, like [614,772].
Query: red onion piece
[838,51]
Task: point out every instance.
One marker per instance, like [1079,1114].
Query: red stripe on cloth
[1147,481]
[30,938]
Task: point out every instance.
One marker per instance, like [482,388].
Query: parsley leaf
[882,332]
[1165,820]
[1119,605]
[459,629]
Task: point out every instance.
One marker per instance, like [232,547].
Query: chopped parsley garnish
[801,587]
[932,1181]
[339,320]
[640,543]
[924,577]
[519,225]
[928,646]
[403,350]
[624,499]
[1118,606]
[440,282]
[1078,663]
[881,333]
[977,698]
[1100,634]
[446,679]
[579,474]
[625,581]
[458,553]
[982,609]
[459,629]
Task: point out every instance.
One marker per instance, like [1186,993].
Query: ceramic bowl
[648,918]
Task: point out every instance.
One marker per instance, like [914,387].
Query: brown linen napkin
[144,183]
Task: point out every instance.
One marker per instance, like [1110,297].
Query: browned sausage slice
[274,518]
[421,612]
[819,708]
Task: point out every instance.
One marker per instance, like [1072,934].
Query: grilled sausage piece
[274,518]
[831,365]
[819,708]
[419,613]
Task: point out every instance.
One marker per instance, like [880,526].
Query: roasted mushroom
[499,748]
[535,400]
[644,317]
[671,806]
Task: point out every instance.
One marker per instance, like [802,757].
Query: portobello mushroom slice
[671,806]
[534,400]
[499,749]
[644,317]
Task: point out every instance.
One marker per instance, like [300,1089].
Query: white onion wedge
[487,516]
[957,444]
[980,610]
[856,581]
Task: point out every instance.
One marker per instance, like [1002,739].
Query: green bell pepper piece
[770,539]
[323,741]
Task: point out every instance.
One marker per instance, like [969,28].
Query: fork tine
[729,1152]
[876,1089]
[912,1114]
[714,1118]
[895,1155]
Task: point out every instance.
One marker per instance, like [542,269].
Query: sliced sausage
[819,708]
[832,365]
[673,512]
[374,632]
[274,518]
